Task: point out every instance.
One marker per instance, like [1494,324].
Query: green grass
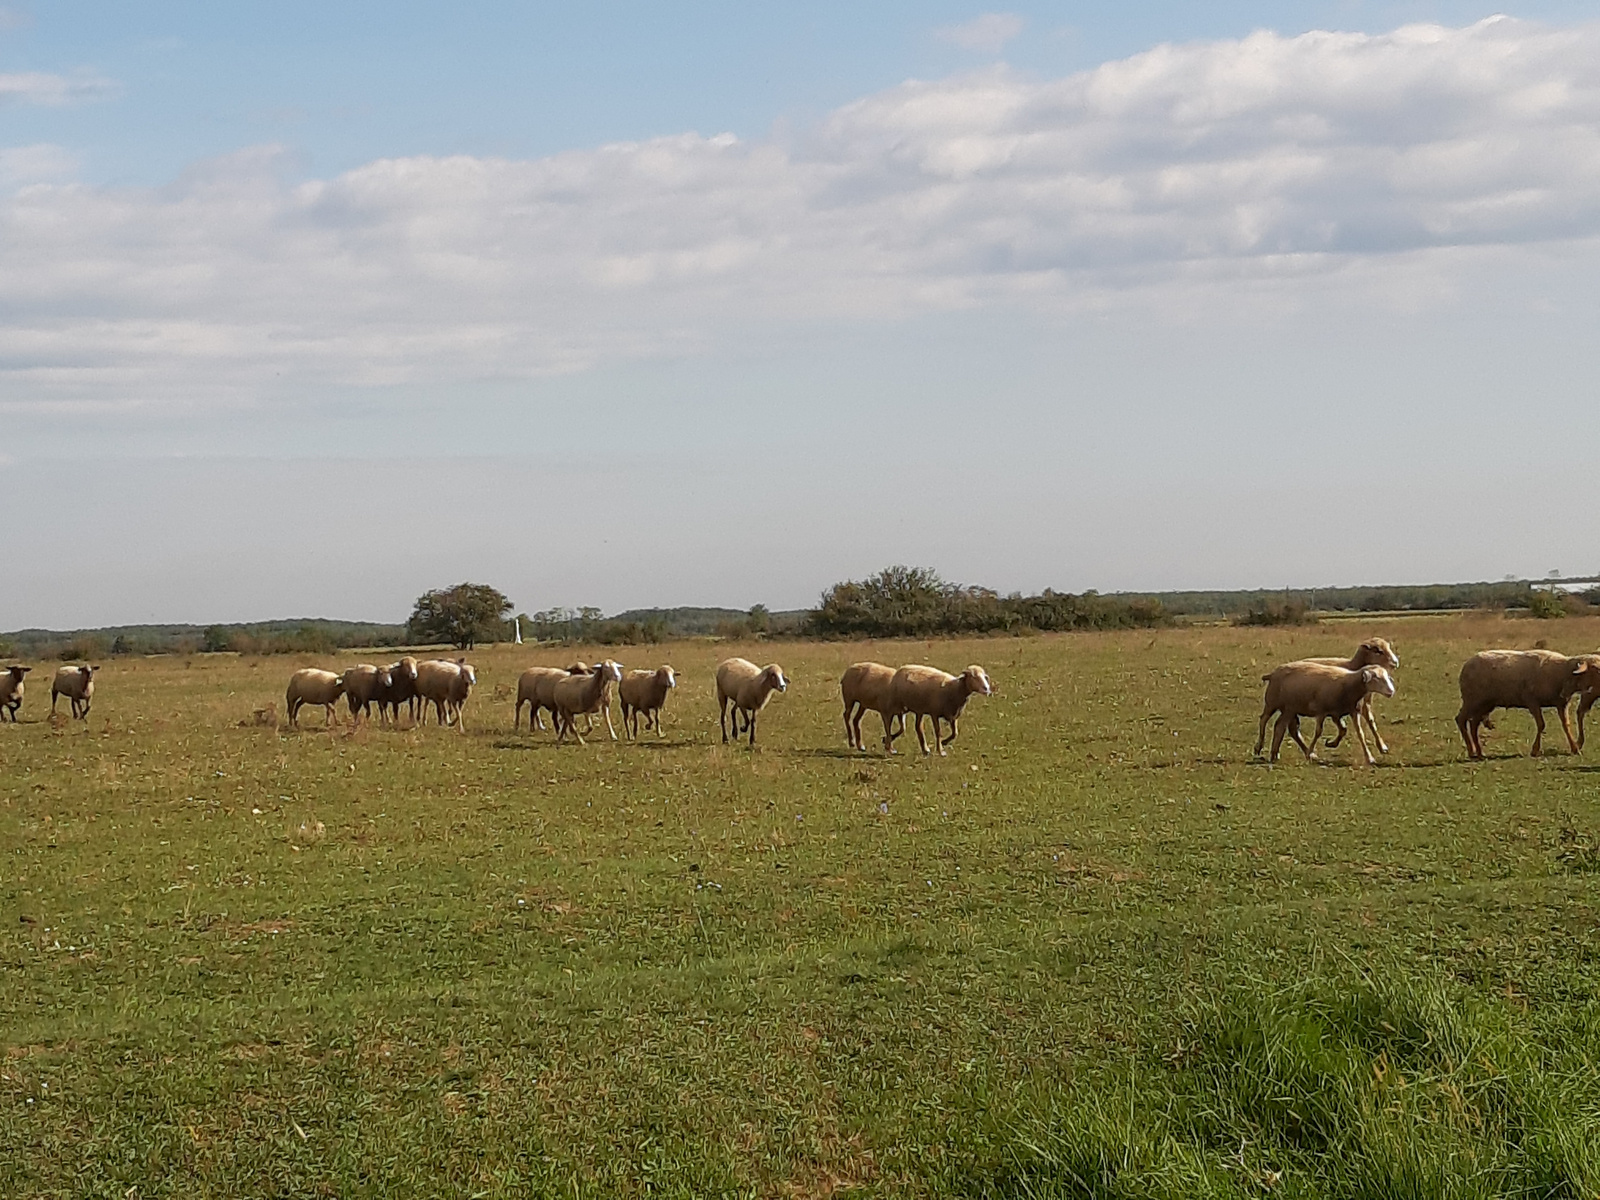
[1094,952]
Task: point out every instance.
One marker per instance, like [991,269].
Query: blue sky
[306,308]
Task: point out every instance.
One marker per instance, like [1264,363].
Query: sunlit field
[1094,951]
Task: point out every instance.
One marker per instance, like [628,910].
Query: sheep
[364,686]
[865,685]
[930,692]
[645,692]
[1374,652]
[311,686]
[536,689]
[77,685]
[11,690]
[447,684]
[585,693]
[1310,689]
[401,689]
[1530,679]
[748,688]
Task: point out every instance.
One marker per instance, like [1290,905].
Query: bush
[1291,612]
[1547,605]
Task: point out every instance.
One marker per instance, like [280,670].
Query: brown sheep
[11,690]
[446,685]
[364,686]
[579,694]
[1321,690]
[311,686]
[865,686]
[77,685]
[1530,679]
[536,689]
[930,692]
[1374,652]
[402,689]
[645,692]
[748,688]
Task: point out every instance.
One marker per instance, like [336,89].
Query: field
[1095,951]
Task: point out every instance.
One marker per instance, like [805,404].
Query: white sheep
[1309,689]
[1374,652]
[446,685]
[930,692]
[1530,679]
[645,692]
[77,685]
[865,686]
[364,686]
[590,693]
[311,686]
[748,688]
[11,690]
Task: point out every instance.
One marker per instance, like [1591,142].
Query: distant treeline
[1400,598]
[638,626]
[916,602]
[313,636]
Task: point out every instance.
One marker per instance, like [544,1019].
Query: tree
[760,618]
[463,615]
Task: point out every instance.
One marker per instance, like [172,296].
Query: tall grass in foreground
[1383,1087]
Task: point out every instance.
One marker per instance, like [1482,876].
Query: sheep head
[1379,652]
[668,676]
[17,673]
[467,673]
[1378,680]
[977,680]
[385,677]
[774,675]
[610,671]
[406,668]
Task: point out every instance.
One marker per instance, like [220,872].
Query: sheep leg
[949,739]
[1567,729]
[750,724]
[722,718]
[1261,738]
[1583,711]
[849,730]
[1294,732]
[1372,724]
[1361,736]
[609,728]
[890,732]
[921,740]
[1316,734]
[1538,736]
[1333,742]
[1278,731]
[1468,732]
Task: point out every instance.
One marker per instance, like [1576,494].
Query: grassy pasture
[1095,951]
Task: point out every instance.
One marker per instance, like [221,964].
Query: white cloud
[40,87]
[1265,164]
[987,34]
[35,164]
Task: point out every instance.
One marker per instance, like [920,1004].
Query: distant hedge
[916,602]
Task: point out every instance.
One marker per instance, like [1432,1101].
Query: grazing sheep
[1321,690]
[77,685]
[587,693]
[536,689]
[865,685]
[364,686]
[1374,652]
[1530,679]
[401,689]
[311,686]
[447,685]
[930,692]
[11,690]
[645,692]
[748,688]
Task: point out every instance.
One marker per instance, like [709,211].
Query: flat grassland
[1095,951]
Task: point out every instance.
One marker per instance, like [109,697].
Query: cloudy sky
[302,313]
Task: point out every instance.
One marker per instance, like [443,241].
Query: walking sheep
[364,686]
[645,692]
[748,688]
[401,689]
[585,694]
[1309,689]
[311,686]
[11,690]
[446,685]
[1530,679]
[1374,652]
[536,689]
[865,686]
[77,685]
[930,692]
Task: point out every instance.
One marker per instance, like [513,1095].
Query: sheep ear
[1580,668]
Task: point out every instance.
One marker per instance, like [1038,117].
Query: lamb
[401,689]
[536,689]
[311,686]
[77,685]
[748,688]
[1530,679]
[1321,690]
[865,685]
[588,693]
[364,686]
[11,690]
[930,692]
[447,684]
[1374,652]
[645,692]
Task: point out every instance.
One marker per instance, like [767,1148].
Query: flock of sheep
[1328,689]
